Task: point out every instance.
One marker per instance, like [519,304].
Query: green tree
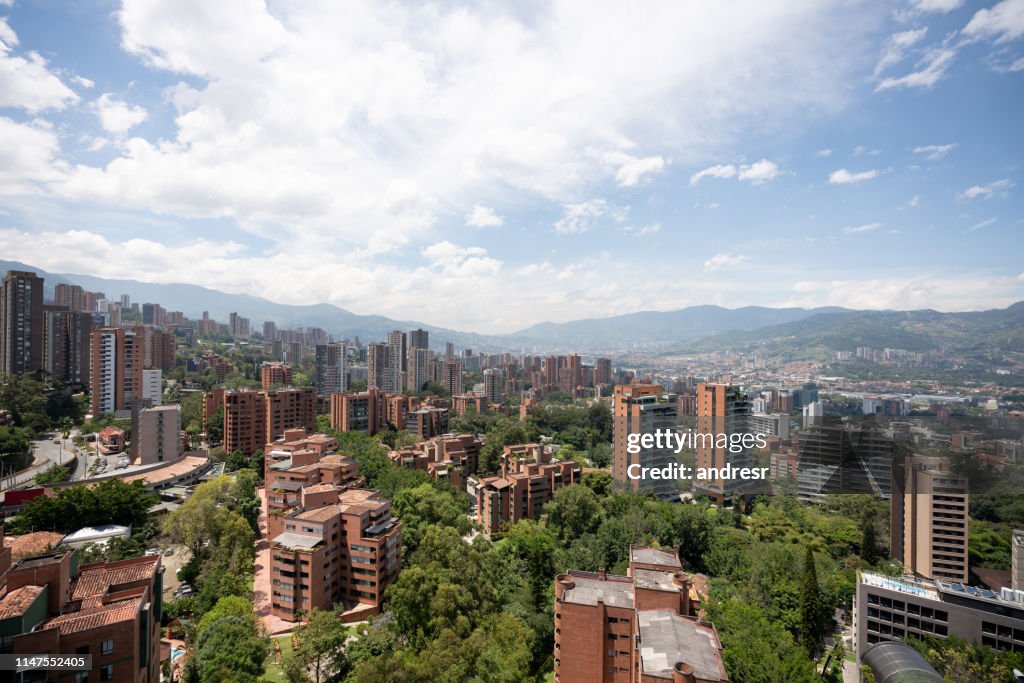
[868,542]
[573,511]
[321,649]
[601,455]
[810,606]
[598,482]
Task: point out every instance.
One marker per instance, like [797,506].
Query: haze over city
[593,159]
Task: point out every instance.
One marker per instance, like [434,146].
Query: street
[46,454]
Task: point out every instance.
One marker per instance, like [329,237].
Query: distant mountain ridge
[816,332]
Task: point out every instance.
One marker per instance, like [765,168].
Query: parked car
[169,552]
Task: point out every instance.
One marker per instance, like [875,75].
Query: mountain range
[814,331]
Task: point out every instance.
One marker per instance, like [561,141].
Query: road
[46,454]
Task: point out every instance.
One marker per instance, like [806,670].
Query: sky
[486,166]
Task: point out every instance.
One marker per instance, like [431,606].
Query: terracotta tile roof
[319,488]
[35,543]
[95,617]
[96,581]
[17,601]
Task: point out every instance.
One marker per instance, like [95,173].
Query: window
[107,647]
[82,677]
[107,672]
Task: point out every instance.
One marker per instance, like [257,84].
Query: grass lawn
[275,673]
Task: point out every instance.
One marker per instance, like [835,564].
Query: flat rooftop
[653,579]
[667,639]
[644,555]
[590,589]
[290,540]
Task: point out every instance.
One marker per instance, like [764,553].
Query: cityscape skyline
[836,154]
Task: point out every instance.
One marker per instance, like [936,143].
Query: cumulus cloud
[484,217]
[579,218]
[724,260]
[995,188]
[630,173]
[756,173]
[26,82]
[934,152]
[296,124]
[867,227]
[844,177]
[1003,21]
[116,116]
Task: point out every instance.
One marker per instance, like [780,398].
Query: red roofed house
[110,440]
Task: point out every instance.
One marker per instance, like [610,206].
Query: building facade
[642,409]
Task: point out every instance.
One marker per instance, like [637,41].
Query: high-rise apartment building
[378,368]
[115,372]
[156,435]
[928,520]
[331,369]
[1017,560]
[417,368]
[253,419]
[21,323]
[269,331]
[398,360]
[639,628]
[721,409]
[493,384]
[643,409]
[71,297]
[452,379]
[603,371]
[152,387]
[358,411]
[68,336]
[273,375]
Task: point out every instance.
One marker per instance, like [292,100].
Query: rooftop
[17,601]
[667,639]
[34,543]
[95,617]
[653,579]
[289,540]
[644,555]
[97,579]
[590,589]
[92,533]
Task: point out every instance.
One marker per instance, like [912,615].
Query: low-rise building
[452,457]
[887,608]
[528,481]
[640,628]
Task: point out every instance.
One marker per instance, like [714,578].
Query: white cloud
[823,153]
[934,152]
[844,177]
[484,217]
[915,201]
[718,171]
[28,157]
[867,227]
[1003,21]
[930,69]
[724,260]
[982,224]
[998,187]
[942,6]
[756,173]
[25,81]
[896,46]
[115,116]
[461,262]
[295,123]
[630,173]
[578,218]
[643,230]
[759,172]
[940,290]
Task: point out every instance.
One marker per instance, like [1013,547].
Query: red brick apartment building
[359,411]
[297,463]
[638,628]
[335,546]
[528,481]
[253,419]
[275,374]
[452,457]
[111,611]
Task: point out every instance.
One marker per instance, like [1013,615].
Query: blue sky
[486,168]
